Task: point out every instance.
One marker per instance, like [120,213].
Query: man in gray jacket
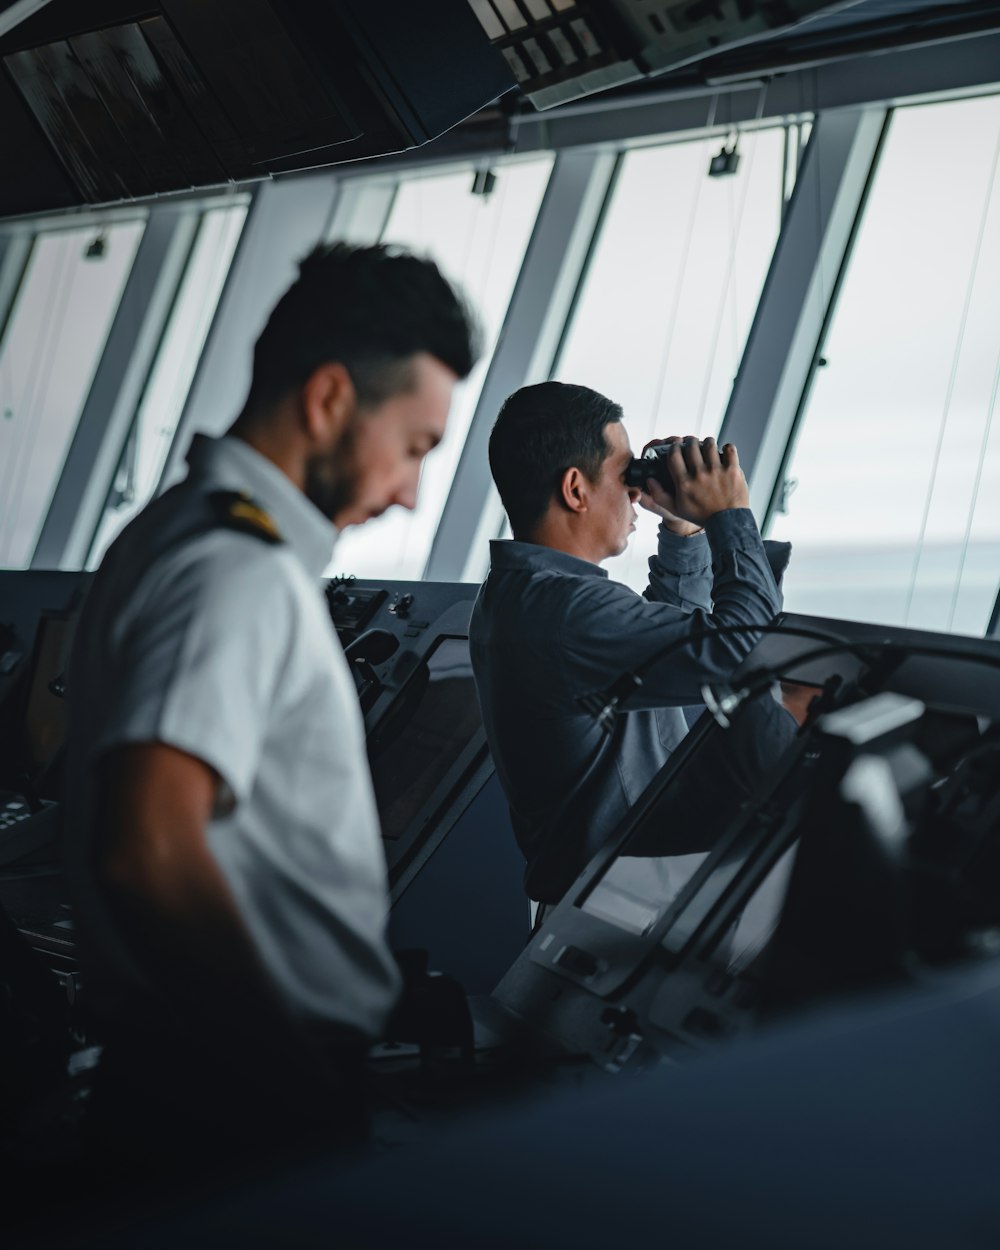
[549,625]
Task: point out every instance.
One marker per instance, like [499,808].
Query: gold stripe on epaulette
[243,510]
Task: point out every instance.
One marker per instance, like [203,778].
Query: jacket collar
[510,554]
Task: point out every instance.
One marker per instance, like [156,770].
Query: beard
[332,479]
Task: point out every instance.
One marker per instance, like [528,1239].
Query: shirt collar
[509,553]
[231,464]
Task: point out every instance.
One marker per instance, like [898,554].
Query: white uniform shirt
[219,643]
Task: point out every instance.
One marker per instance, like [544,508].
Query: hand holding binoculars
[654,463]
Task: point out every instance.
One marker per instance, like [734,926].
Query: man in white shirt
[223,841]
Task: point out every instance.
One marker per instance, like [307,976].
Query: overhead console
[863,852]
[560,50]
[106,100]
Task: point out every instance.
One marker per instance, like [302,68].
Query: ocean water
[941,589]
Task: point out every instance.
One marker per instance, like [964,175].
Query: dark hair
[541,432]
[370,309]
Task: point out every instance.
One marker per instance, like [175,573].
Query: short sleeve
[200,660]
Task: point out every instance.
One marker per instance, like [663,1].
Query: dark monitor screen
[760,916]
[423,736]
[636,892]
[683,825]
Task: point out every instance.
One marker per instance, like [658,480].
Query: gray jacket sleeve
[681,571]
[613,630]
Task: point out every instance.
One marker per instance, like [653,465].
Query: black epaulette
[236,510]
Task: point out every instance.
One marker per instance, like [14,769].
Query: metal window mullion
[110,406]
[287,218]
[798,294]
[993,628]
[526,348]
[17,12]
[15,251]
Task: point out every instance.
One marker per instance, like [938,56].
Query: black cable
[603,705]
[723,631]
[759,679]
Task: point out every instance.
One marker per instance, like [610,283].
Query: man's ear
[573,491]
[328,403]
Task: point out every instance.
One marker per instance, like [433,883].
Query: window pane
[670,294]
[894,514]
[60,322]
[170,379]
[479,243]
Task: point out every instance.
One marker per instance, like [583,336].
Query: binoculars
[653,464]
